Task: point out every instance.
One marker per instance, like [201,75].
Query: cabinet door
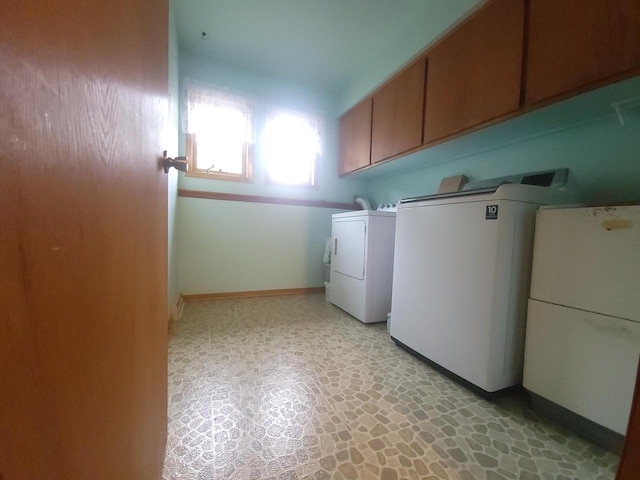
[582,361]
[624,19]
[569,46]
[475,72]
[398,113]
[494,68]
[444,108]
[355,138]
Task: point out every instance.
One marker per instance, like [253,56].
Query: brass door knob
[179,163]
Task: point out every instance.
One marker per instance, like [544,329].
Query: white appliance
[583,325]
[362,263]
[461,278]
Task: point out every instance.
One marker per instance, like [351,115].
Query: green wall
[226,246]
[583,134]
[603,158]
[237,246]
[172,181]
[230,246]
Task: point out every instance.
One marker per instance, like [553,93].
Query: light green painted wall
[229,246]
[172,181]
[602,155]
[232,246]
[236,246]
[604,159]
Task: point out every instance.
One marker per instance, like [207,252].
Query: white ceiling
[322,43]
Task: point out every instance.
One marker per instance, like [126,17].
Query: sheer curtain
[292,144]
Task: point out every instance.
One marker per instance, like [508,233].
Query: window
[219,139]
[292,144]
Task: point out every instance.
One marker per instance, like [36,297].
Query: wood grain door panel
[569,46]
[446,80]
[624,20]
[83,333]
[355,138]
[496,36]
[398,112]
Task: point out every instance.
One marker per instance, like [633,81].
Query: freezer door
[589,258]
[583,361]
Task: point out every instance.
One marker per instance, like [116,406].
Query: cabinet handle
[335,245]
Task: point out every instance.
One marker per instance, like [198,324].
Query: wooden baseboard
[251,294]
[177,307]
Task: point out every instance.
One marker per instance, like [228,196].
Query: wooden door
[83,321]
[624,20]
[355,138]
[446,80]
[474,72]
[494,61]
[398,112]
[569,46]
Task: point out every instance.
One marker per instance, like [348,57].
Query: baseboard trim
[251,294]
[175,311]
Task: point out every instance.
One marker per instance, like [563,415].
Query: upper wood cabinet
[574,43]
[474,75]
[624,18]
[355,138]
[475,71]
[444,110]
[398,112]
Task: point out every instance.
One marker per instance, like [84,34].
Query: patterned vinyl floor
[293,388]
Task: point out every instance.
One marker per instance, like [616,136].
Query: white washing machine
[461,279]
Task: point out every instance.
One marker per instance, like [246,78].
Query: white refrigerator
[583,324]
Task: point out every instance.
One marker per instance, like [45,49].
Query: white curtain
[292,142]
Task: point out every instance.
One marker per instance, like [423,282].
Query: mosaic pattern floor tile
[292,388]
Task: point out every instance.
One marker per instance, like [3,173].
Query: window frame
[191,145]
[246,176]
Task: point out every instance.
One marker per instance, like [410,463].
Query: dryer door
[349,247]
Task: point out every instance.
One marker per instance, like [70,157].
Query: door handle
[179,163]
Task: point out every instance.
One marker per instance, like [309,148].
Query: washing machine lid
[448,195]
[548,178]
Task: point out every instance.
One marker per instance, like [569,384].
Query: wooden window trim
[246,176]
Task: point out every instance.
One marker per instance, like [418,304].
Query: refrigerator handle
[335,246]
